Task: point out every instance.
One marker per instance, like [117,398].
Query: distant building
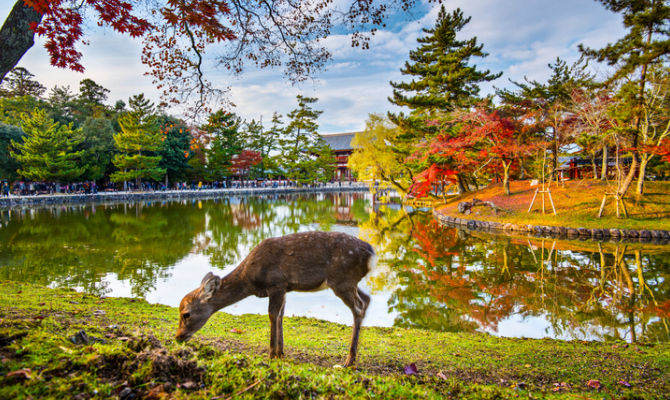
[340,143]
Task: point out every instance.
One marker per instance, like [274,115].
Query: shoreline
[60,199]
[656,236]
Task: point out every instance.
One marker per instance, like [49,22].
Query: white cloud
[521,36]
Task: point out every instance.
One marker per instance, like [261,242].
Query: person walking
[5,189]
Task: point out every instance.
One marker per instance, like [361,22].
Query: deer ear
[209,285]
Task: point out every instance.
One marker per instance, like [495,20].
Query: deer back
[306,261]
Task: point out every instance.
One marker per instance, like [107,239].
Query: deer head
[196,307]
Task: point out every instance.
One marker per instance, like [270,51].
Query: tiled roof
[339,141]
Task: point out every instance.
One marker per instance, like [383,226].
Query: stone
[597,233]
[615,233]
[584,232]
[645,234]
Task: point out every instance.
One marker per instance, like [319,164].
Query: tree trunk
[506,178]
[603,170]
[625,184]
[641,174]
[461,185]
[594,166]
[16,37]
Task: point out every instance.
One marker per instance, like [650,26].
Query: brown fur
[305,261]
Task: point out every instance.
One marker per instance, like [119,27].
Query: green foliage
[226,141]
[138,140]
[445,80]
[47,152]
[304,156]
[8,165]
[19,82]
[175,150]
[11,109]
[97,146]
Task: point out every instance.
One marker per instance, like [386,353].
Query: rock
[572,232]
[615,233]
[82,338]
[126,394]
[656,234]
[597,233]
[584,232]
[645,234]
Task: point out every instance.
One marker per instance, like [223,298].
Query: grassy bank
[577,204]
[227,359]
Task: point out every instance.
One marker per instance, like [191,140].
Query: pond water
[428,276]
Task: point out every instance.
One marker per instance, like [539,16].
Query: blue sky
[521,37]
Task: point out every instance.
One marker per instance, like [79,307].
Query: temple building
[340,143]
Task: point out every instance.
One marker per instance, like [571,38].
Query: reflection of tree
[140,242]
[453,281]
[78,246]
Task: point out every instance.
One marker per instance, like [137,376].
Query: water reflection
[451,280]
[429,276]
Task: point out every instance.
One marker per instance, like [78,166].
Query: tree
[61,99]
[90,102]
[264,142]
[175,150]
[242,163]
[443,80]
[548,104]
[302,149]
[281,33]
[20,82]
[139,138]
[97,146]
[47,152]
[223,130]
[371,161]
[646,43]
[654,120]
[8,165]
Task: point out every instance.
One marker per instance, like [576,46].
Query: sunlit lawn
[577,204]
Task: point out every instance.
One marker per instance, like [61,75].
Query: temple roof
[339,141]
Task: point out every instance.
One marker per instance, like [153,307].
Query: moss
[228,357]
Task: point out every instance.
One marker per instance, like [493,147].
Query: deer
[306,261]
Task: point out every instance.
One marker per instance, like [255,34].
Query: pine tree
[19,82]
[646,43]
[223,128]
[444,79]
[47,151]
[138,140]
[302,149]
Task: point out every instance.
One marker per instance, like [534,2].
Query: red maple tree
[178,33]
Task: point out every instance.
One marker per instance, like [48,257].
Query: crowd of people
[21,188]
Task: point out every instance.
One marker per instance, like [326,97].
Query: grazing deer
[308,261]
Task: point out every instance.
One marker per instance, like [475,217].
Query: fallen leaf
[527,365]
[65,349]
[441,375]
[236,330]
[624,383]
[594,384]
[21,373]
[188,385]
[411,369]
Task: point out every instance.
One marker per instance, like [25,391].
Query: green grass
[228,357]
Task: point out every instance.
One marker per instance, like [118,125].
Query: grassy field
[577,204]
[227,359]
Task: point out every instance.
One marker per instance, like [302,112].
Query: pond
[428,276]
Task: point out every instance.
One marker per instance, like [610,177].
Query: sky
[521,37]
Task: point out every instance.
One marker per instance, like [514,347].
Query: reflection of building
[340,143]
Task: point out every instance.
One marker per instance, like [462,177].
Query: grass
[577,204]
[227,359]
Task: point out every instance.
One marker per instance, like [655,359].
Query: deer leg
[358,302]
[276,312]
